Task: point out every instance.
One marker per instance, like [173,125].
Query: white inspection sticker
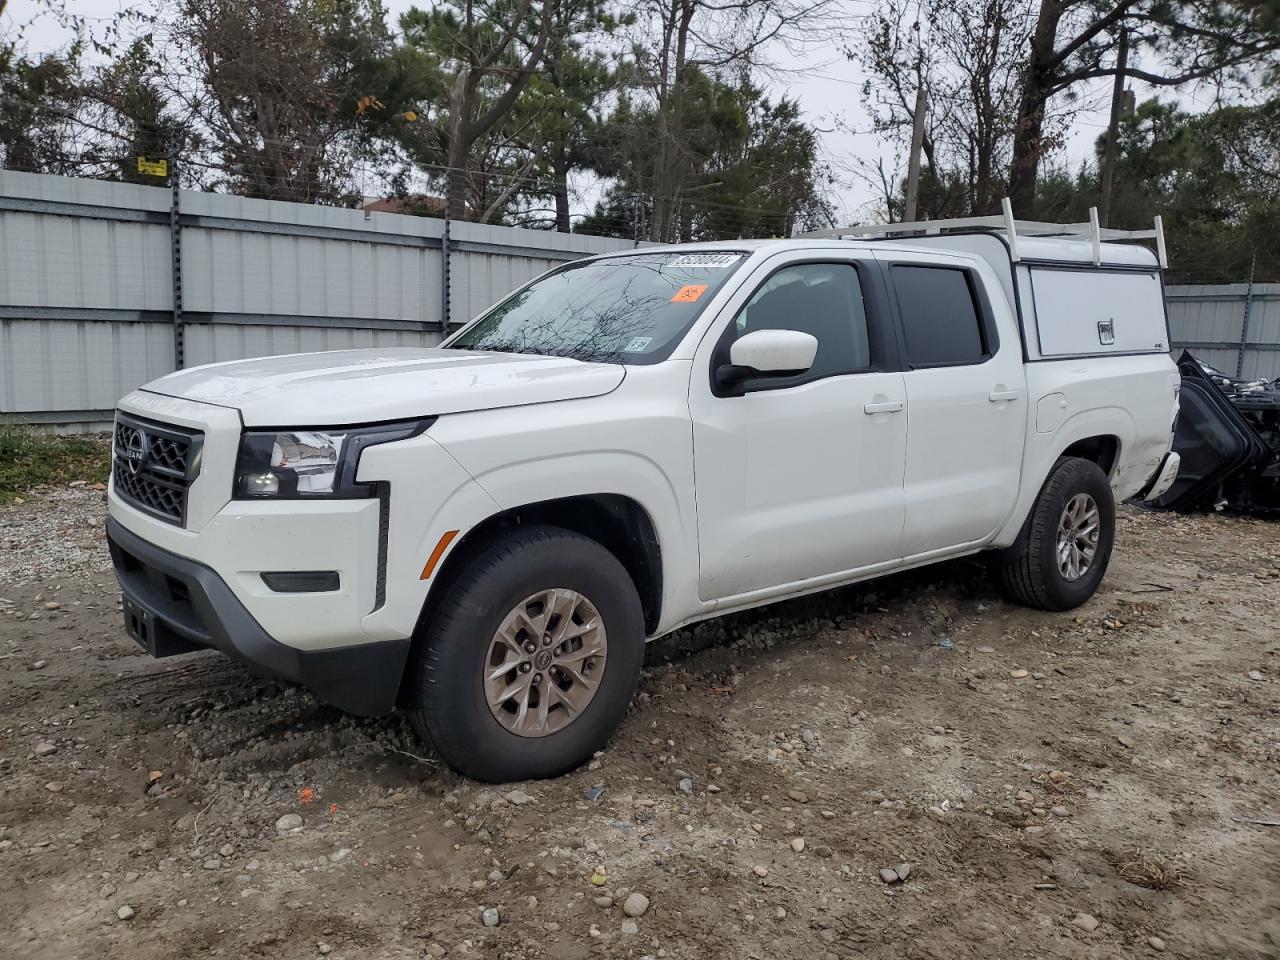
[637,344]
[715,260]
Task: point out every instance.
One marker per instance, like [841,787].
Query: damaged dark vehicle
[1228,435]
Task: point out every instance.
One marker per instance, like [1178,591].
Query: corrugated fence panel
[77,366]
[1209,320]
[86,289]
[215,342]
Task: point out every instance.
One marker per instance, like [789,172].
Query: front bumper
[178,605]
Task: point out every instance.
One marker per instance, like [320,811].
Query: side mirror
[775,353]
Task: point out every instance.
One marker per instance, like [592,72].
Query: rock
[53,605]
[125,913]
[604,900]
[593,793]
[1156,944]
[226,850]
[1060,811]
[39,664]
[517,798]
[780,914]
[889,876]
[760,871]
[797,844]
[53,786]
[799,796]
[1086,922]
[635,905]
[828,814]
[1124,742]
[108,891]
[903,870]
[44,749]
[685,785]
[823,851]
[289,823]
[212,864]
[252,865]
[340,854]
[489,917]
[1019,674]
[1258,677]
[630,928]
[324,948]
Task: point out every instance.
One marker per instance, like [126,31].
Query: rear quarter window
[940,318]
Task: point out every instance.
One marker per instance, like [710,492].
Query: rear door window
[940,317]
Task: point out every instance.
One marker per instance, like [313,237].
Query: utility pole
[917,144]
[1113,130]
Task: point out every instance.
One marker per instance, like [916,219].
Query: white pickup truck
[486,533]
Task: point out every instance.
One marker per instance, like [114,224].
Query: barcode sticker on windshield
[706,260]
[637,344]
[689,293]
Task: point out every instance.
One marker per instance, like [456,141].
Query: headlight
[296,464]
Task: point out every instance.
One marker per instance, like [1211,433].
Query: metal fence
[1232,326]
[104,286]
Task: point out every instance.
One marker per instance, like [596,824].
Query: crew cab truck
[485,533]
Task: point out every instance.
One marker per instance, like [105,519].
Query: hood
[390,383]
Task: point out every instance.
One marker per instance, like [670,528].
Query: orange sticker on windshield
[689,293]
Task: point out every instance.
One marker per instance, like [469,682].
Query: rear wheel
[531,658]
[1062,553]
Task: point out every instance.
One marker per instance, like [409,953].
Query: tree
[1075,41]
[681,40]
[1214,177]
[565,100]
[288,94]
[752,167]
[483,54]
[967,55]
[39,104]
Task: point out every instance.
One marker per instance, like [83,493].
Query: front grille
[154,464]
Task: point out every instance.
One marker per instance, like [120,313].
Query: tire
[1029,570]
[449,702]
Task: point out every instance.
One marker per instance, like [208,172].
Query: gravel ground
[912,768]
[59,539]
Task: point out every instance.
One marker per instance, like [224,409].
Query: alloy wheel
[545,662]
[1078,530]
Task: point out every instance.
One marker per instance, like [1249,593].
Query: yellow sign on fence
[153,168]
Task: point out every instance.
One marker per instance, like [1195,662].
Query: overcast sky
[827,85]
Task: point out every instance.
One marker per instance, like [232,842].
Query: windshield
[631,309]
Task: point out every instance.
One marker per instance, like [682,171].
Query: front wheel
[531,658]
[1062,553]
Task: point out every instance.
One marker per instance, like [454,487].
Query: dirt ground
[1029,768]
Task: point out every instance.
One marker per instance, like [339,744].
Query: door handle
[882,406]
[996,396]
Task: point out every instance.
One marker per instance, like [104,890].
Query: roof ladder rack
[1013,229]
